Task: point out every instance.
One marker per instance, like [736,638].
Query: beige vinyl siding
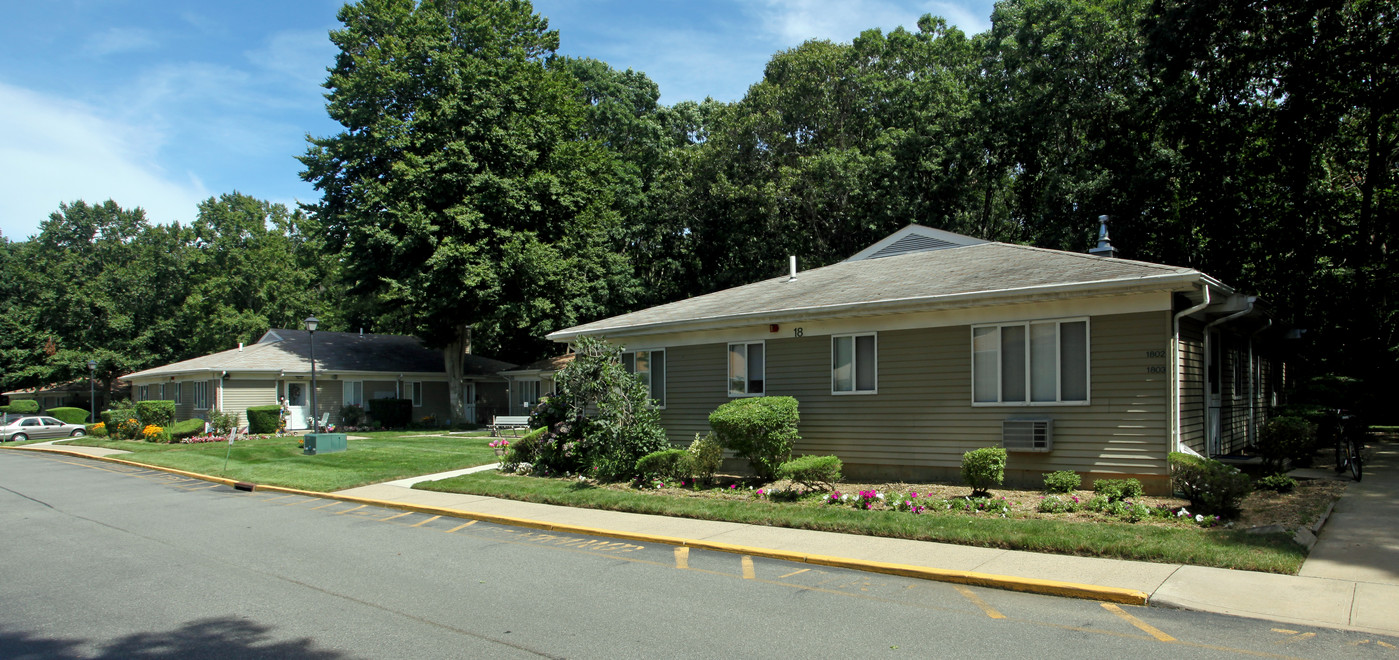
[1192,384]
[239,395]
[184,406]
[922,420]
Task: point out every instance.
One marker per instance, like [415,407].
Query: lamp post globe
[311,324]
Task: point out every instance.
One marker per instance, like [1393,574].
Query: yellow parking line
[1141,625]
[977,601]
[1295,638]
[279,497]
[748,573]
[420,524]
[796,572]
[465,524]
[396,515]
[331,503]
[341,513]
[682,557]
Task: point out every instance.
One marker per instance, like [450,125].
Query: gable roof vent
[1035,435]
[912,243]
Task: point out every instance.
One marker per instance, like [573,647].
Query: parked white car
[39,427]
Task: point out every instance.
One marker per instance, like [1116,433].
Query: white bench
[512,423]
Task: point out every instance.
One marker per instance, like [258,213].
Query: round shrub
[1062,481]
[984,468]
[353,415]
[708,455]
[821,472]
[69,415]
[761,429]
[1285,440]
[1213,488]
[98,430]
[1276,482]
[264,419]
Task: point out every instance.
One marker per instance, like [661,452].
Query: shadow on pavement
[207,638]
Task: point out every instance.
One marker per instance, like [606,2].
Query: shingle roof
[966,272]
[290,350]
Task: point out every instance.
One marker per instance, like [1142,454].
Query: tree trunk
[454,359]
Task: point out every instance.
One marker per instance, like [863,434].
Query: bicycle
[1349,444]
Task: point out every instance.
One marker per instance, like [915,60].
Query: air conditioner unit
[1027,434]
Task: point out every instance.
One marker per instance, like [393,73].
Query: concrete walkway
[1351,580]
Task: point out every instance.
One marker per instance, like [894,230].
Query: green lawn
[381,456]
[1223,548]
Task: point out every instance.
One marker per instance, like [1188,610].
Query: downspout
[1244,312]
[1175,363]
[1252,384]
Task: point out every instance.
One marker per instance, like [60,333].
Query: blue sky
[161,104]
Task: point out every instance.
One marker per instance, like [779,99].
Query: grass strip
[380,456]
[1222,548]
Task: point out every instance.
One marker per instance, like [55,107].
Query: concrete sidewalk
[1351,580]
[1345,598]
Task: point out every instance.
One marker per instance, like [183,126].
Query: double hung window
[649,368]
[415,392]
[1040,362]
[354,393]
[201,395]
[853,364]
[746,367]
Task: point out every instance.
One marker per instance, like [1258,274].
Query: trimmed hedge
[1062,481]
[186,429]
[761,429]
[69,415]
[263,419]
[813,471]
[158,412]
[391,413]
[23,407]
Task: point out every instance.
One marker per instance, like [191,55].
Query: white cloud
[120,40]
[55,150]
[302,55]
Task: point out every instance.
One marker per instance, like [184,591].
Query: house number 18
[797,332]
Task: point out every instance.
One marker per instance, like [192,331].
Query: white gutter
[1243,312]
[1176,366]
[898,305]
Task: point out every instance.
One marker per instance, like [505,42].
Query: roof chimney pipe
[793,262]
[1105,248]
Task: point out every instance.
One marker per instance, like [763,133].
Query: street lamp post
[311,324]
[92,391]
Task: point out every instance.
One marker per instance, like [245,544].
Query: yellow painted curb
[1009,582]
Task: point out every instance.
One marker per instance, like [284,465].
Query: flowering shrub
[152,433]
[99,430]
[129,428]
[909,503]
[498,444]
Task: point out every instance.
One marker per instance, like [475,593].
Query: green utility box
[324,443]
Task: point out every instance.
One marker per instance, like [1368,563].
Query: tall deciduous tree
[460,195]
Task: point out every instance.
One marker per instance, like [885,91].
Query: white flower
[879,495]
[1199,518]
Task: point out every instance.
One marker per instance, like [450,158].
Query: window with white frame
[746,369]
[415,392]
[354,393]
[853,364]
[201,395]
[1040,362]
[649,368]
[526,394]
